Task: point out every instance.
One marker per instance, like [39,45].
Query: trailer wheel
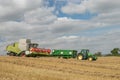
[60,57]
[90,58]
[79,57]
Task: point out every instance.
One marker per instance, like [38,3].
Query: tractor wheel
[90,58]
[79,57]
[22,54]
[11,54]
[8,54]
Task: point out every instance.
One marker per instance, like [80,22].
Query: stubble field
[47,68]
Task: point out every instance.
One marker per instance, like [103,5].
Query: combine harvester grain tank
[26,48]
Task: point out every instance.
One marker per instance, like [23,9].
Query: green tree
[115,51]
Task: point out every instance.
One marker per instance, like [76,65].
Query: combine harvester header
[25,48]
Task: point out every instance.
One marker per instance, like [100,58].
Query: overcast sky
[62,24]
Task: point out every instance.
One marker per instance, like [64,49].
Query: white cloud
[102,6]
[72,8]
[94,6]
[15,9]
[67,37]
[20,3]
[30,19]
[74,1]
[107,11]
[40,16]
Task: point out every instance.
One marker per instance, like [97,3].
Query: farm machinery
[86,55]
[25,48]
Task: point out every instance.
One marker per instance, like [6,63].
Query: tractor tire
[90,59]
[79,57]
[11,54]
[8,54]
[22,54]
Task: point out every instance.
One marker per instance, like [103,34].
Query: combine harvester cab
[25,48]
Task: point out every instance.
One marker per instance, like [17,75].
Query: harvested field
[47,68]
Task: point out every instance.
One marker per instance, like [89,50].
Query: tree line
[113,52]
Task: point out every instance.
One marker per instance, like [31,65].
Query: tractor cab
[86,55]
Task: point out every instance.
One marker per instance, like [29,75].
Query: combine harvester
[25,48]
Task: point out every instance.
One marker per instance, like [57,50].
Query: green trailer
[64,53]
